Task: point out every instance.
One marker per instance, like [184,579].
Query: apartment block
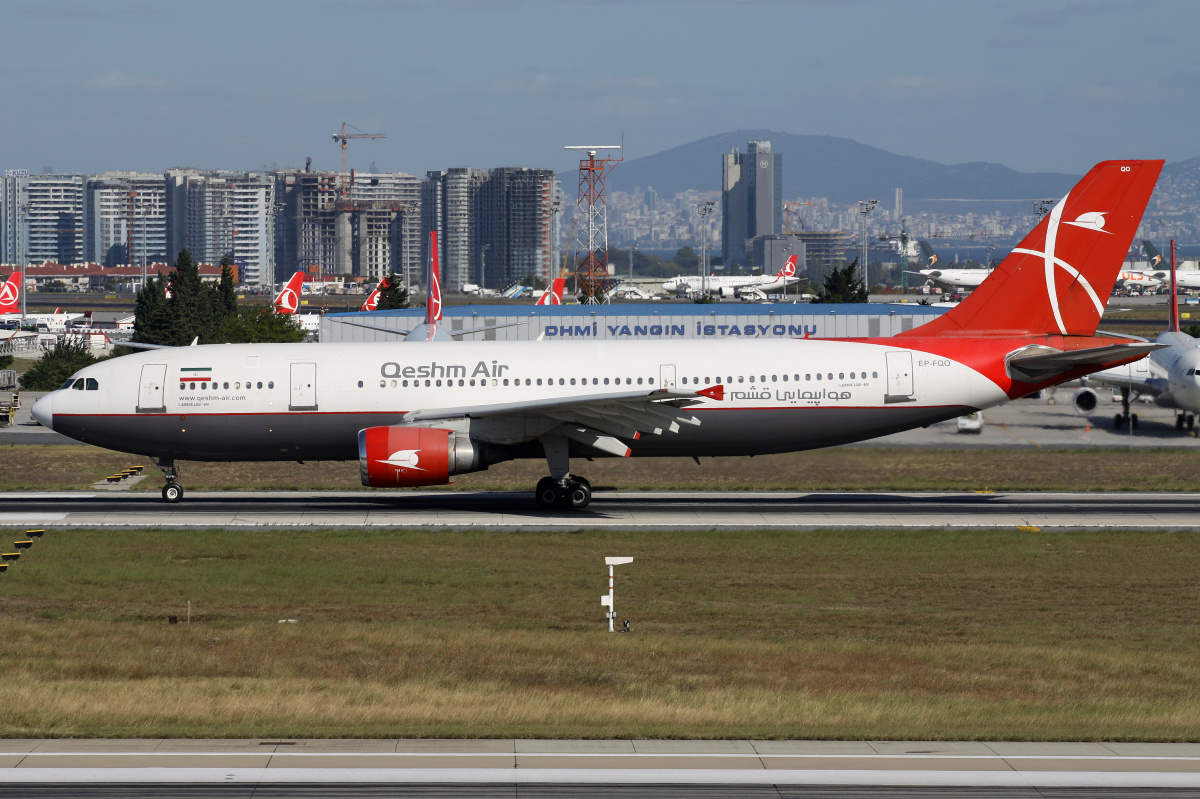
[42,218]
[126,218]
[215,214]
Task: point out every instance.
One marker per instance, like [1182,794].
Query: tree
[153,323]
[393,293]
[5,361]
[687,259]
[228,288]
[841,285]
[194,307]
[56,365]
[258,326]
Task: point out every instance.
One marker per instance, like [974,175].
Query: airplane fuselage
[307,402]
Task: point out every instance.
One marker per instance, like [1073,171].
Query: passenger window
[751,378]
[649,380]
[684,381]
[92,385]
[595,381]
[359,384]
[382,384]
[539,381]
[394,383]
[818,375]
[605,381]
[785,378]
[528,381]
[181,386]
[505,381]
[775,378]
[763,378]
[831,375]
[426,384]
[741,379]
[841,376]
[260,384]
[472,381]
[562,381]
[706,381]
[874,374]
[461,383]
[639,381]
[572,381]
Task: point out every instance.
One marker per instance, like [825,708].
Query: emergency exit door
[304,387]
[899,377]
[666,375]
[151,388]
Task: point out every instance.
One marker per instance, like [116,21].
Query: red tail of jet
[554,294]
[433,305]
[1056,282]
[288,301]
[372,301]
[789,268]
[10,294]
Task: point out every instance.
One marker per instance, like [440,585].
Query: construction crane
[344,137]
[791,210]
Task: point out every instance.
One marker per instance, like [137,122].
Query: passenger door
[151,388]
[304,387]
[899,377]
[666,375]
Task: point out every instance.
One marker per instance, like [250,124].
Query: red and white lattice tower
[591,246]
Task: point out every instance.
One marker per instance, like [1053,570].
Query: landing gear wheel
[1179,421]
[1119,421]
[172,492]
[1133,421]
[548,493]
[1191,421]
[579,494]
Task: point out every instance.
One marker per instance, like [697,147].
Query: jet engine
[727,291]
[400,455]
[1085,400]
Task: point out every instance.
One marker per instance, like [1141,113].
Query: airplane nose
[43,411]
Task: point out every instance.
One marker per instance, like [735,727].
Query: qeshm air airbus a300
[413,413]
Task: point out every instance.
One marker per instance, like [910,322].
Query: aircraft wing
[596,420]
[1041,366]
[1116,378]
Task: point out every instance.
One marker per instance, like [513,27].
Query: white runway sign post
[607,600]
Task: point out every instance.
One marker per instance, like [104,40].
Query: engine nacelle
[1085,400]
[399,455]
[727,291]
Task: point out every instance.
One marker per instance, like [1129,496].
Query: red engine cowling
[390,457]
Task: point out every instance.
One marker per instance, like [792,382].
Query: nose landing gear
[1125,417]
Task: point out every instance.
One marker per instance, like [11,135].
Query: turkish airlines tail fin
[10,294]
[1057,280]
[372,300]
[553,295]
[789,269]
[288,300]
[433,305]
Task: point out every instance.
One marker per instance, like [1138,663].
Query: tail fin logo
[789,268]
[1155,261]
[1093,220]
[372,301]
[287,301]
[10,291]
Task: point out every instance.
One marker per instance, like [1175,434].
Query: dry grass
[845,468]
[913,635]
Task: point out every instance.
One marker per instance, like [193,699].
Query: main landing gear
[172,492]
[1187,420]
[561,489]
[1125,417]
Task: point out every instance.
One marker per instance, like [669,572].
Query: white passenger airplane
[553,295]
[1184,278]
[735,285]
[415,415]
[10,308]
[1171,375]
[948,278]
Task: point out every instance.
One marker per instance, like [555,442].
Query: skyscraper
[215,214]
[751,198]
[125,208]
[42,218]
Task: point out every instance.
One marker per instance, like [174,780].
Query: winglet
[717,392]
[1173,303]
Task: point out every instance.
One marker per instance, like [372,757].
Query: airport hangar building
[626,321]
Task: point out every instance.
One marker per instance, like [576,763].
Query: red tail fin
[372,300]
[789,269]
[288,301]
[1057,280]
[10,294]
[553,294]
[433,305]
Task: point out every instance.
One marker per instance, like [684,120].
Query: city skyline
[1034,86]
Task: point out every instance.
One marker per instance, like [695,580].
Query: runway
[609,510]
[619,768]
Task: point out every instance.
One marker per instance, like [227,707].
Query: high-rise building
[448,207]
[369,228]
[43,218]
[513,212]
[124,210]
[215,214]
[751,198]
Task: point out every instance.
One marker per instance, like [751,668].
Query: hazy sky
[1032,84]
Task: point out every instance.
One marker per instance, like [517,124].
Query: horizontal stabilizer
[1034,368]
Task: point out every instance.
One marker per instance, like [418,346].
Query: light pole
[632,247]
[606,600]
[702,210]
[556,210]
[483,266]
[865,207]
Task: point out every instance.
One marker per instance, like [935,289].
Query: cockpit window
[92,384]
[67,384]
[78,385]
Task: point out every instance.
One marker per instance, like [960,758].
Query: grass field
[59,467]
[902,635]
